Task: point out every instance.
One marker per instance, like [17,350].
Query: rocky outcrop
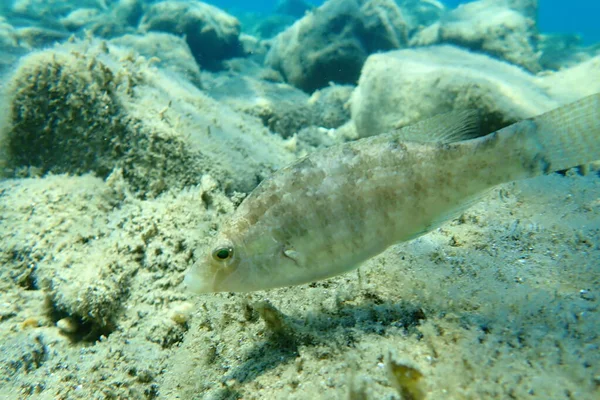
[488,26]
[399,88]
[331,43]
[83,108]
[212,34]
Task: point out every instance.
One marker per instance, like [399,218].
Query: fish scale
[332,210]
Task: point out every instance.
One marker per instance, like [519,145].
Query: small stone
[407,380]
[587,294]
[181,313]
[67,325]
[31,322]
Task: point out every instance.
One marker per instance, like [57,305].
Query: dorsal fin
[443,128]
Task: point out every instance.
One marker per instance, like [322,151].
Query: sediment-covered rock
[331,42]
[402,87]
[84,108]
[169,52]
[212,34]
[497,28]
[256,90]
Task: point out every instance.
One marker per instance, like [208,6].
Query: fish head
[243,263]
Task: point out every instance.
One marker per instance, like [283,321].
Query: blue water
[560,16]
[555,16]
[574,16]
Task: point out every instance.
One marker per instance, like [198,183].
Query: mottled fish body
[332,210]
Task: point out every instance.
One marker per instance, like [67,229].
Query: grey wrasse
[332,210]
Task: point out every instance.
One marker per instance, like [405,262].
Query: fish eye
[222,253]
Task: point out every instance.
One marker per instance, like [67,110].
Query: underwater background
[556,16]
[131,130]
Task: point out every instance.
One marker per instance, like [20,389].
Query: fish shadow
[333,331]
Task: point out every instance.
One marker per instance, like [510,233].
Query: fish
[332,210]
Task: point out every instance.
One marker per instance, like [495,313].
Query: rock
[35,37]
[331,43]
[108,28]
[27,29]
[170,52]
[118,20]
[212,34]
[83,108]
[88,248]
[490,27]
[128,11]
[330,105]
[529,8]
[282,108]
[249,67]
[402,87]
[44,23]
[572,83]
[419,13]
[70,255]
[44,10]
[564,50]
[67,325]
[79,18]
[9,40]
[253,48]
[10,47]
[314,137]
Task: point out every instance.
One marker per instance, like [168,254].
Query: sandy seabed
[501,302]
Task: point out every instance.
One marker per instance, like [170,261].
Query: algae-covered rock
[56,97]
[561,51]
[168,51]
[79,18]
[85,108]
[575,82]
[44,9]
[331,105]
[331,42]
[120,18]
[41,23]
[491,27]
[10,47]
[9,39]
[64,247]
[128,11]
[402,87]
[419,14]
[281,107]
[529,8]
[86,261]
[35,37]
[284,109]
[212,34]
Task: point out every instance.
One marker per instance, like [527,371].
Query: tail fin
[569,135]
[560,139]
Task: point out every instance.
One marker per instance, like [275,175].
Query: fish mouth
[196,283]
[201,279]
